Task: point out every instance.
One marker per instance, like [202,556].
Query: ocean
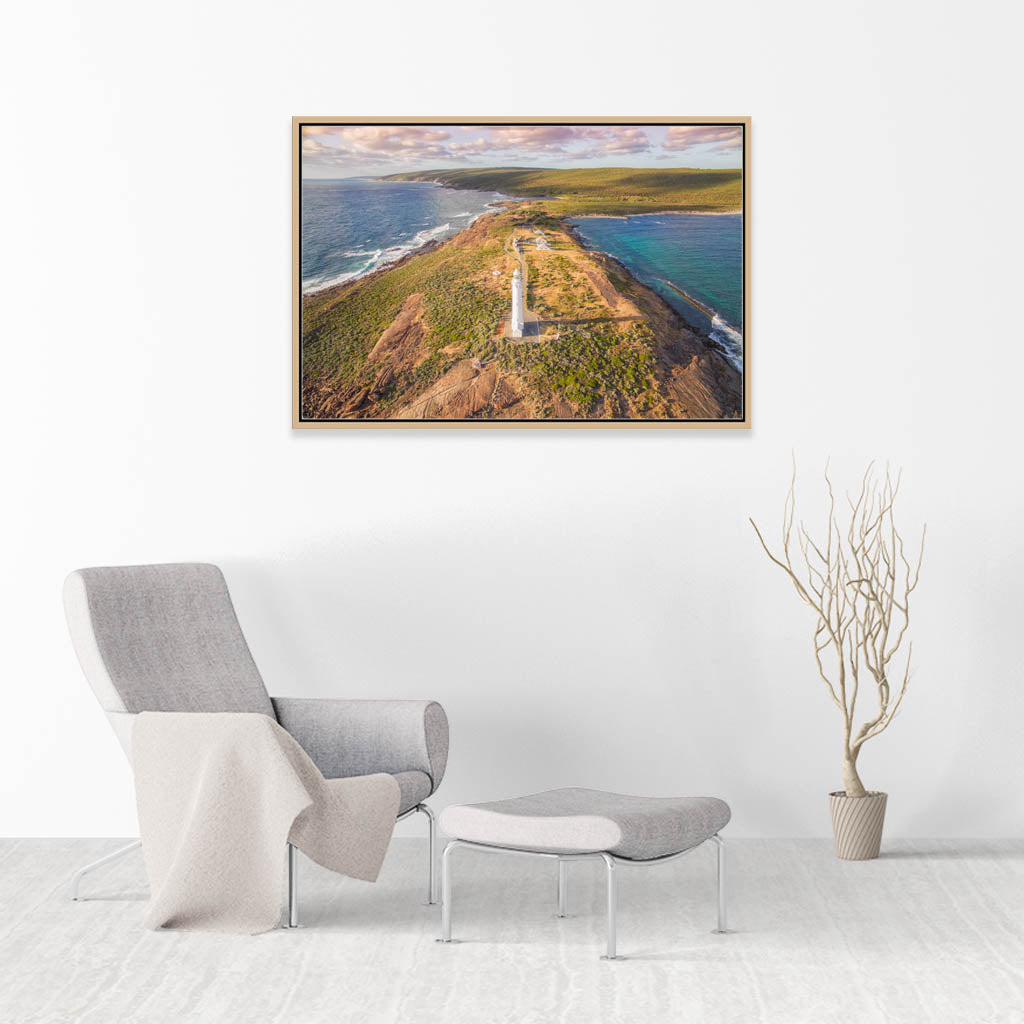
[354,226]
[701,255]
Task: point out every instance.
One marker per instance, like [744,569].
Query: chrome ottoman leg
[723,927]
[446,891]
[563,889]
[612,897]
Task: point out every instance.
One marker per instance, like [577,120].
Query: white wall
[590,607]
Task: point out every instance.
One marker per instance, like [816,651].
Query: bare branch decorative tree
[858,581]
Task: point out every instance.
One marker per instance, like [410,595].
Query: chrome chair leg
[563,889]
[82,872]
[723,927]
[432,852]
[293,887]
[612,897]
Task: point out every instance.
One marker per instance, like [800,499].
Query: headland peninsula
[426,337]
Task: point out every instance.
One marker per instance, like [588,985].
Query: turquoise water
[353,226]
[701,255]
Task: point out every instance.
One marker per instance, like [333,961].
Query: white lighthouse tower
[516,324]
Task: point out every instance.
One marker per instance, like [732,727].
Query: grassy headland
[612,191]
[423,338]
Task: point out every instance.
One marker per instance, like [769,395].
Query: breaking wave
[377,258]
[729,340]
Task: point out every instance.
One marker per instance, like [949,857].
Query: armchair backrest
[161,638]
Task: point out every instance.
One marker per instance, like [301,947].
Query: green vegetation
[589,368]
[460,314]
[573,302]
[612,191]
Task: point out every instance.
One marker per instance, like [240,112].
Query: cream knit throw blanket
[220,795]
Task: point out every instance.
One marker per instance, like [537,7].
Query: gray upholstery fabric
[359,737]
[414,788]
[590,821]
[167,637]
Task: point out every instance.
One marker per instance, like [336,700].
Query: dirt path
[521,256]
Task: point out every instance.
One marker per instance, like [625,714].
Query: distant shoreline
[656,213]
[555,199]
[600,191]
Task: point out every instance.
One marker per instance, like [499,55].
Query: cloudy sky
[332,151]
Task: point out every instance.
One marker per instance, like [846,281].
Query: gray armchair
[166,638]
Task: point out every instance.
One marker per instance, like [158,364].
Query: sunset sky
[332,151]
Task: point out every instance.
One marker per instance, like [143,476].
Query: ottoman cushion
[590,821]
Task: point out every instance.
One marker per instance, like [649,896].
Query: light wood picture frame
[520,272]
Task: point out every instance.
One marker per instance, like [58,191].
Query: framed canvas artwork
[521,273]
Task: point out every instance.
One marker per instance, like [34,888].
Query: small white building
[517,322]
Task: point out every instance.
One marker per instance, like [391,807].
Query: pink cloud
[532,138]
[469,148]
[313,147]
[339,144]
[718,137]
[619,142]
[556,138]
[389,138]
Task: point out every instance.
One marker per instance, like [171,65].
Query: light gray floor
[932,932]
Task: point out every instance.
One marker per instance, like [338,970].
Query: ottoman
[579,824]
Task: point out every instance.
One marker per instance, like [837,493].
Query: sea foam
[378,258]
[729,340]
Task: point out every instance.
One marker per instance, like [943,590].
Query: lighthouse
[516,324]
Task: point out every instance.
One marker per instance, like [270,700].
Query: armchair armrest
[360,737]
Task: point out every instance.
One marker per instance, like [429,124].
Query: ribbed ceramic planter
[857,824]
